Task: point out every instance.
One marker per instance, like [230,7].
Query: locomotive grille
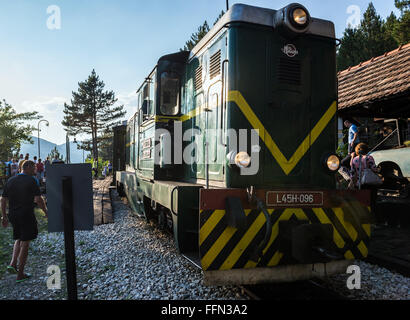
[198,78]
[215,65]
[289,71]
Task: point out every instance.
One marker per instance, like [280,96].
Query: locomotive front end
[233,150]
[280,211]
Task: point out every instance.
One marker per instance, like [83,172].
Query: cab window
[146,102]
[169,94]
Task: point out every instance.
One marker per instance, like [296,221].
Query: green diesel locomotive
[233,149]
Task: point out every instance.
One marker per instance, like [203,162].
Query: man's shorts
[24,228]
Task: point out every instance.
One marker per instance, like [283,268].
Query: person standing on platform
[14,168]
[20,193]
[40,171]
[353,140]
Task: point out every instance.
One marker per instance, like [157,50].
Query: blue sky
[121,39]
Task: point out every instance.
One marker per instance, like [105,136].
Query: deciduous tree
[14,129]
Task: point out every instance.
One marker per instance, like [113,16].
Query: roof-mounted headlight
[300,17]
[292,19]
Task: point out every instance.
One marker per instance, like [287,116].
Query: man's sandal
[11,269]
[26,277]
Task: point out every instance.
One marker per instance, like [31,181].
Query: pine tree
[401,31]
[390,25]
[197,36]
[372,38]
[219,17]
[377,39]
[402,5]
[92,112]
[54,152]
[351,52]
[107,146]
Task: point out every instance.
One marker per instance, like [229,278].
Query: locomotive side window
[146,98]
[146,101]
[152,92]
[169,94]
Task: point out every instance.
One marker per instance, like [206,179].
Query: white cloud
[130,103]
[51,109]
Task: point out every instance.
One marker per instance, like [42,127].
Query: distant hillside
[47,146]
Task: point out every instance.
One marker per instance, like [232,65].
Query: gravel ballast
[128,259]
[131,259]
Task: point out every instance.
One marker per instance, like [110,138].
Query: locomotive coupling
[308,243]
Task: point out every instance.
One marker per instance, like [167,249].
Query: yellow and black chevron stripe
[223,247]
[287,165]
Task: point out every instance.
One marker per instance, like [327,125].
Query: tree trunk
[94,138]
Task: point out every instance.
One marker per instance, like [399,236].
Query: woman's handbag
[370,178]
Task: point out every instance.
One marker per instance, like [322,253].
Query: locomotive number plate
[294,198]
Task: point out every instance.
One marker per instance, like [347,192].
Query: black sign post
[70,207]
[67,186]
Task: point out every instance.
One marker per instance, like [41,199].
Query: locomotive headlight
[292,20]
[300,16]
[242,160]
[333,163]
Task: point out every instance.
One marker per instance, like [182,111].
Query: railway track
[302,290]
[390,249]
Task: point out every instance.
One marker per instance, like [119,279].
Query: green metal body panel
[288,112]
[195,103]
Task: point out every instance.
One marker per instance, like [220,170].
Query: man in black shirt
[21,192]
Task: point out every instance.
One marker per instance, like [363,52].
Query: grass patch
[106,268]
[7,242]
[6,247]
[109,268]
[41,220]
[89,250]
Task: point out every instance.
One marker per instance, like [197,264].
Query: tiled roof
[379,78]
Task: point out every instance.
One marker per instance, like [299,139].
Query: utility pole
[227,5]
[38,136]
[67,149]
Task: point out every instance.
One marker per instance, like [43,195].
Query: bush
[342,150]
[101,165]
[2,168]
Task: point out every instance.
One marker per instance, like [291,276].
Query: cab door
[198,138]
[212,115]
[213,132]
